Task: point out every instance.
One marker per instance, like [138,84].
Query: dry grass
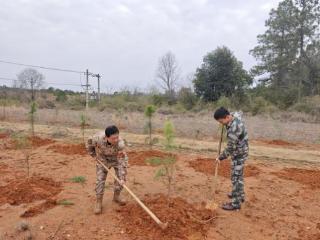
[191,125]
[259,150]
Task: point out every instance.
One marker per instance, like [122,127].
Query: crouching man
[108,148]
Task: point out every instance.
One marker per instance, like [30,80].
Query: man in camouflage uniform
[238,149]
[108,148]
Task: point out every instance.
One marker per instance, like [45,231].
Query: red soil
[207,166]
[39,142]
[138,158]
[35,141]
[3,168]
[183,218]
[278,142]
[41,208]
[4,135]
[304,176]
[70,149]
[26,191]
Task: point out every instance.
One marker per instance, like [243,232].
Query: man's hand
[121,154]
[122,182]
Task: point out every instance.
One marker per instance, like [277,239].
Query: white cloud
[123,9]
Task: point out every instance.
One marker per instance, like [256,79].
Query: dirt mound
[70,149]
[41,208]
[184,219]
[138,158]
[304,176]
[35,141]
[207,166]
[4,168]
[4,135]
[22,191]
[278,142]
[39,142]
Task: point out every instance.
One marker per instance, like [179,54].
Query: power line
[87,74]
[36,66]
[8,79]
[66,84]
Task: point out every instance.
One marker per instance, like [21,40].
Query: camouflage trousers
[120,169]
[237,180]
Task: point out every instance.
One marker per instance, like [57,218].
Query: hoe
[162,225]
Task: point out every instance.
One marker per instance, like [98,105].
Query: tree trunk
[4,106]
[150,132]
[32,123]
[302,54]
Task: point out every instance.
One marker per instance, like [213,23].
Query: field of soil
[282,184]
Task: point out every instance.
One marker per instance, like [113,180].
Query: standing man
[108,148]
[238,149]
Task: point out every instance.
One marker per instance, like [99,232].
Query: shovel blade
[163,226]
[211,205]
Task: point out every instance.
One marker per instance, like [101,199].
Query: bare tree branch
[168,72]
[29,78]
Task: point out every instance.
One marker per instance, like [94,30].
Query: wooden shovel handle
[144,207]
[219,151]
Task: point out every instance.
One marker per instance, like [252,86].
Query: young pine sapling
[32,113]
[83,124]
[168,134]
[24,144]
[167,165]
[149,112]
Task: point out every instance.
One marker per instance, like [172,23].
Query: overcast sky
[123,40]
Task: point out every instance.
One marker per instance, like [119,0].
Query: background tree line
[286,76]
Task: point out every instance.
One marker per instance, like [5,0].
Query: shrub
[61,96]
[309,105]
[77,102]
[78,179]
[187,98]
[158,99]
[258,105]
[47,104]
[224,102]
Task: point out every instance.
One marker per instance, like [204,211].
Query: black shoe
[230,196]
[230,207]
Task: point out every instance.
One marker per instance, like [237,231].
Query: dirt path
[280,203]
[265,151]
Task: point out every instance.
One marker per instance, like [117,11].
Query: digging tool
[162,225]
[212,205]
[219,152]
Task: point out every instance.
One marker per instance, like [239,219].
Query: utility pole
[87,90]
[98,76]
[4,105]
[87,73]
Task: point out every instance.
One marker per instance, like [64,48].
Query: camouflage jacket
[98,147]
[237,138]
